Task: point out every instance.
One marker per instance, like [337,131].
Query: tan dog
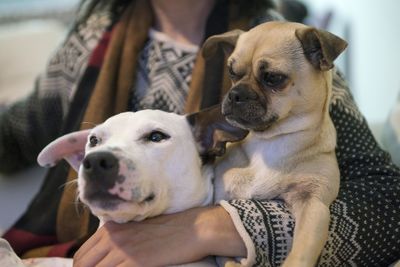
[282,79]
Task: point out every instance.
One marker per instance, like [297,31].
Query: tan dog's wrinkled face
[268,67]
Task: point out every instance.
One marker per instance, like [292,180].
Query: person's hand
[165,240]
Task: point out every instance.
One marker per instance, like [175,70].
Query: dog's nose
[100,165]
[241,94]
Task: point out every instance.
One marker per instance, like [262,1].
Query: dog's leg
[311,231]
[237,183]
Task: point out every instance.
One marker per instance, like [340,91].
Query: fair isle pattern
[341,243]
[66,66]
[92,30]
[163,77]
[365,222]
[269,225]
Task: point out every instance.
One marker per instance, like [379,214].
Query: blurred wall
[373,32]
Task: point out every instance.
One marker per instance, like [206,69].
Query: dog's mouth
[249,116]
[107,201]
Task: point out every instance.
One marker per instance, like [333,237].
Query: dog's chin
[252,124]
[251,115]
[103,201]
[113,208]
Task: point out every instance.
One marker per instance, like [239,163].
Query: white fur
[171,169]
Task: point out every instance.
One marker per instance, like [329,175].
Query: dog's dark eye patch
[157,136]
[274,80]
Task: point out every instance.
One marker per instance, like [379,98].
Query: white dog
[139,165]
[135,166]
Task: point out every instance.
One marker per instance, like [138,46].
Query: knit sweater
[365,218]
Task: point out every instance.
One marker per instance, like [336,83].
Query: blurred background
[30,30]
[372,60]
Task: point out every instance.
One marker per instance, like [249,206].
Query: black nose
[101,165]
[242,93]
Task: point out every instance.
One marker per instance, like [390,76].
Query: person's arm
[26,126]
[162,241]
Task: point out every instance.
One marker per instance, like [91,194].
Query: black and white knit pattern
[67,65]
[164,74]
[365,219]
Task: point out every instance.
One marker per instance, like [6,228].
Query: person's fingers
[92,241]
[91,253]
[90,259]
[111,260]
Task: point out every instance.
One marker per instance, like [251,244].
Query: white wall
[374,50]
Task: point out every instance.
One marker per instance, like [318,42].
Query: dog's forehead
[144,120]
[269,39]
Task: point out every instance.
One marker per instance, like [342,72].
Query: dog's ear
[212,132]
[225,41]
[70,147]
[320,47]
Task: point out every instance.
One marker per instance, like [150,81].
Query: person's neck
[183,20]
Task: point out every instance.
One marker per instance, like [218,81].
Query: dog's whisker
[69,183]
[77,202]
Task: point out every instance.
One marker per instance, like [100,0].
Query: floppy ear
[320,47]
[212,132]
[70,147]
[226,42]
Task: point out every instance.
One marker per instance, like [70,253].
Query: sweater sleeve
[29,124]
[365,218]
[25,127]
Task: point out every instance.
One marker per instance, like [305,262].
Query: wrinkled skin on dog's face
[139,170]
[269,73]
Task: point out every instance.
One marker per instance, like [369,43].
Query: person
[134,54]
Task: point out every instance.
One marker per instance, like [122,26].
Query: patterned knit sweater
[365,219]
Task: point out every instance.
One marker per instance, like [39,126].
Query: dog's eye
[93,141]
[273,80]
[157,136]
[231,72]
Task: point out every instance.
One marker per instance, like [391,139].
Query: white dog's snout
[100,165]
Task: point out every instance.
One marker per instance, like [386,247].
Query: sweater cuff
[251,251]
[266,227]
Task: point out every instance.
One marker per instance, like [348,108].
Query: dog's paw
[238,182]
